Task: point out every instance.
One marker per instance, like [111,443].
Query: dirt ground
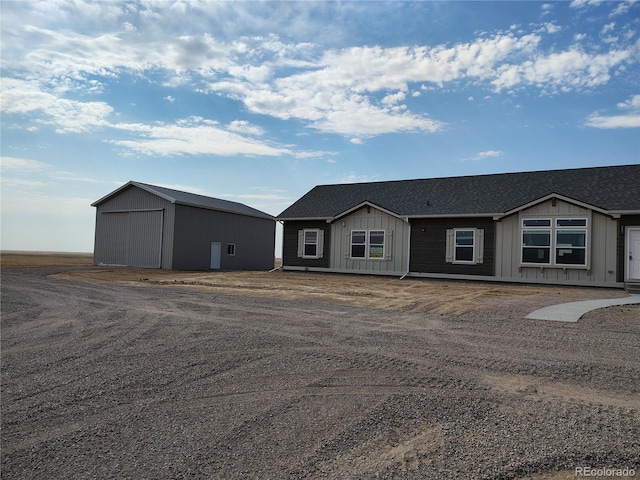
[40,259]
[125,373]
[387,293]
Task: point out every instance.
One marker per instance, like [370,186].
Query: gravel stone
[119,381]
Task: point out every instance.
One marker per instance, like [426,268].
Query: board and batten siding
[134,228]
[370,218]
[291,233]
[429,246]
[601,246]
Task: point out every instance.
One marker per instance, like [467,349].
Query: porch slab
[571,312]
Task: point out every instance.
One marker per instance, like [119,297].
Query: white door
[633,254]
[216,250]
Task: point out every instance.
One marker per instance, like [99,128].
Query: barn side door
[216,251]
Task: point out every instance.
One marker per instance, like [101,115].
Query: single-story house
[574,227]
[143,225]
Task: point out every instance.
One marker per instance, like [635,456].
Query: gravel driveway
[150,382]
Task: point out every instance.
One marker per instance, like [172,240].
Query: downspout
[408,250]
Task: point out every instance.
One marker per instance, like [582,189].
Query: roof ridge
[482,175]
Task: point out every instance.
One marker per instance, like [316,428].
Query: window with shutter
[464,245]
[310,243]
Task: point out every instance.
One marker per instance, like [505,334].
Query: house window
[464,245]
[571,241]
[376,244]
[231,249]
[560,243]
[536,241]
[358,244]
[367,244]
[310,244]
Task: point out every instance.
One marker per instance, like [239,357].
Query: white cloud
[631,119]
[569,70]
[552,28]
[358,92]
[584,3]
[394,98]
[193,136]
[484,155]
[608,28]
[616,121]
[244,127]
[490,153]
[632,103]
[355,178]
[68,116]
[8,182]
[621,8]
[22,164]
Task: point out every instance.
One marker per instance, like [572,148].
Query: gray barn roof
[190,199]
[614,189]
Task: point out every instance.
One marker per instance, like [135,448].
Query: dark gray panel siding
[133,198]
[145,238]
[113,235]
[130,238]
[290,244]
[429,243]
[112,238]
[196,228]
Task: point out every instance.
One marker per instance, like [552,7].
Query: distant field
[37,259]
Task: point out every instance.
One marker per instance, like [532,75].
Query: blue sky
[258,102]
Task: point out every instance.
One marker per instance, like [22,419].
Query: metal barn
[141,225]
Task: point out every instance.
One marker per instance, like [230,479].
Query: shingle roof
[191,199]
[612,189]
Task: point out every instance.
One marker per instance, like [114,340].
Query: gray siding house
[570,227]
[143,225]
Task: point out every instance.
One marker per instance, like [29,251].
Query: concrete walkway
[571,312]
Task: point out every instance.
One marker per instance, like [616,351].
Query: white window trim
[572,228]
[478,246]
[553,228]
[234,249]
[539,228]
[473,246]
[367,244]
[304,242]
[384,245]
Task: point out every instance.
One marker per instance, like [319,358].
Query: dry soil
[146,374]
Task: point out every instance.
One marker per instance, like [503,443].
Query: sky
[258,102]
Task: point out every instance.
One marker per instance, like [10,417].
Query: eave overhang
[552,196]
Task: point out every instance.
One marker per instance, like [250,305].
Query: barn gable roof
[613,189]
[190,199]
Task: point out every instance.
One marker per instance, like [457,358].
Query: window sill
[556,267]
